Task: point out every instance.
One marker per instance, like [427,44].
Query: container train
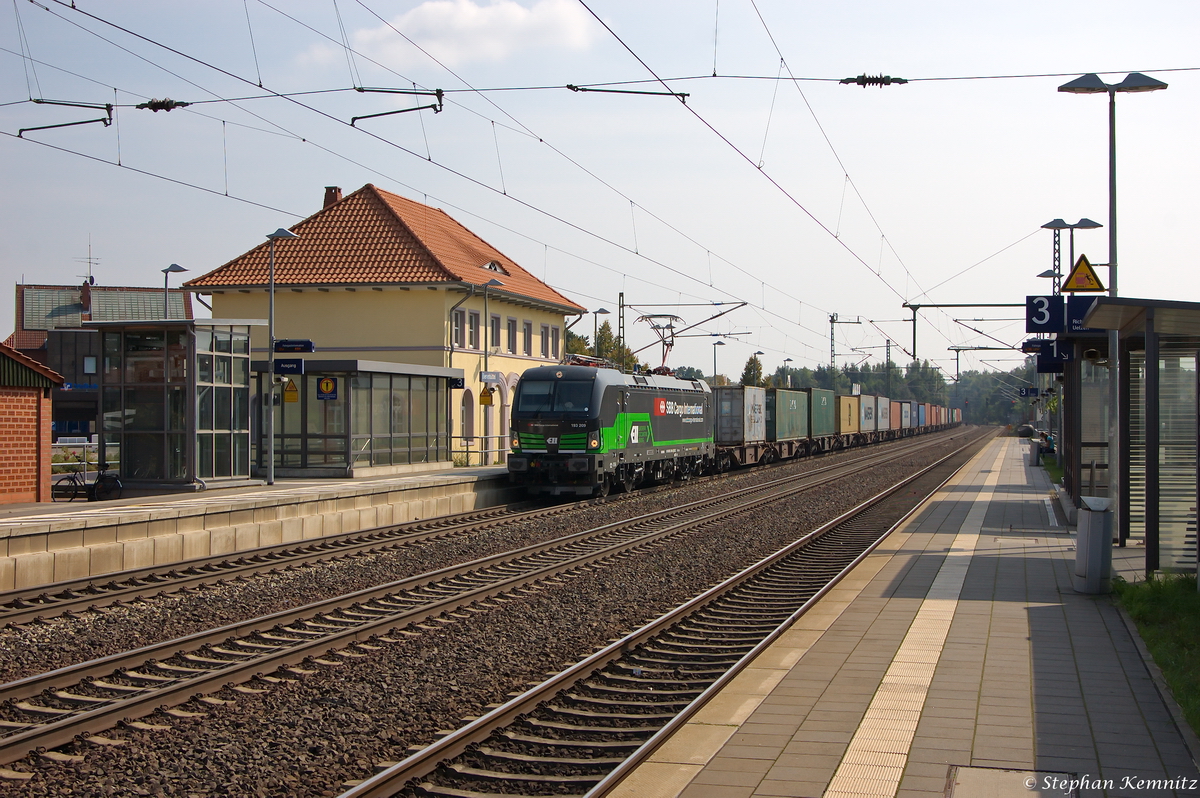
[584,431]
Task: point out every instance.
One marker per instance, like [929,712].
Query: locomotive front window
[559,396]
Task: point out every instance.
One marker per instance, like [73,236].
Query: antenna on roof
[90,261]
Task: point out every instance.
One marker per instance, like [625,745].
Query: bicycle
[68,487]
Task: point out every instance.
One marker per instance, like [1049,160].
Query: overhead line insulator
[873,80]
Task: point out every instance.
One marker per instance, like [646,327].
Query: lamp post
[596,329]
[1058,225]
[715,345]
[174,268]
[1092,84]
[280,234]
[787,370]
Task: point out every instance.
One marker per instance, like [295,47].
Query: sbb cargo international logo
[665,407]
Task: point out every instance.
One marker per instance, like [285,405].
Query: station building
[25,387]
[420,327]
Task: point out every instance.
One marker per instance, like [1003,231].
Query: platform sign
[455,382]
[327,388]
[1029,391]
[294,345]
[1034,345]
[1051,359]
[1045,314]
[491,376]
[1077,308]
[1083,278]
[289,365]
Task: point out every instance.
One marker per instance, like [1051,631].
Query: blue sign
[289,366]
[1029,391]
[1077,308]
[455,382]
[294,345]
[1045,314]
[1052,357]
[327,388]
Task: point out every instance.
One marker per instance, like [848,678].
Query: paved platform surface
[957,660]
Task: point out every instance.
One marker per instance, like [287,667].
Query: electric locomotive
[583,431]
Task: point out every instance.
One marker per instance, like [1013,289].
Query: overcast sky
[800,197]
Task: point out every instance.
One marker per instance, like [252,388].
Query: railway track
[35,713]
[582,730]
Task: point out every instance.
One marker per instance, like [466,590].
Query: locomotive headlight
[594,439]
[516,442]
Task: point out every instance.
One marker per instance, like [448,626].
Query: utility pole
[833,320]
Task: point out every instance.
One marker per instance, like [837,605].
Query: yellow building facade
[398,299]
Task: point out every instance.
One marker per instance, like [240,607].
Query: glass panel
[418,421]
[144,355]
[221,340]
[400,449]
[112,357]
[112,452]
[177,356]
[144,410]
[222,456]
[143,456]
[222,408]
[176,457]
[361,404]
[381,404]
[361,447]
[204,407]
[241,408]
[241,454]
[176,408]
[204,456]
[292,412]
[241,342]
[204,339]
[112,409]
[241,371]
[223,372]
[204,368]
[399,405]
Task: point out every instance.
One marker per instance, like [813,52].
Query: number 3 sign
[1045,314]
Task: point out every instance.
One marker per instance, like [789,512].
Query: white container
[883,413]
[868,421]
[741,415]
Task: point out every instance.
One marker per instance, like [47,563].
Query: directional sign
[1083,278]
[1077,308]
[1051,359]
[491,376]
[289,365]
[294,345]
[1045,314]
[1029,391]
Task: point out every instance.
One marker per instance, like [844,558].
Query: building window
[494,332]
[527,338]
[473,330]
[460,323]
[546,340]
[512,336]
[89,364]
[554,333]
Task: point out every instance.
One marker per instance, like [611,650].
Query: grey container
[787,414]
[868,421]
[822,413]
[741,415]
[883,413]
[906,415]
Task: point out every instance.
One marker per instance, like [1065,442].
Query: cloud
[459,32]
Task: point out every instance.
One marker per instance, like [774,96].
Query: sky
[770,184]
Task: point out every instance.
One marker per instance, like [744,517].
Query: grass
[1167,613]
[1053,470]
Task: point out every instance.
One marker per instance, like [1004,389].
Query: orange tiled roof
[32,364]
[376,237]
[26,339]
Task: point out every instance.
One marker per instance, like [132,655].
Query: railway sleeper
[536,778]
[606,762]
[581,730]
[581,700]
[683,685]
[441,791]
[572,712]
[688,654]
[648,692]
[529,739]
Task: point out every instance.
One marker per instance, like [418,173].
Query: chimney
[85,299]
[332,194]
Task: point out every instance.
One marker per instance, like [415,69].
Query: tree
[576,344]
[689,373]
[752,374]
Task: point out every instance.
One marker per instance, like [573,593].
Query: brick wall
[24,445]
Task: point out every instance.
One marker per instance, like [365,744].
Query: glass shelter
[175,401]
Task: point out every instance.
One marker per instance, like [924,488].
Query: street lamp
[278,235]
[715,345]
[1092,84]
[1058,225]
[787,370]
[596,329]
[174,268]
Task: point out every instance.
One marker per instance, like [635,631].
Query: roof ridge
[433,259]
[30,363]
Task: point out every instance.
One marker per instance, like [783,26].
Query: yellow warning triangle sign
[1083,278]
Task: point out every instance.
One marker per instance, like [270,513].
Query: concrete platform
[51,542]
[955,661]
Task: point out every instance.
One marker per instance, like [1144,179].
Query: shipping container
[822,417]
[906,415]
[922,409]
[883,413]
[867,420]
[847,415]
[895,414]
[787,414]
[741,414]
[957,415]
